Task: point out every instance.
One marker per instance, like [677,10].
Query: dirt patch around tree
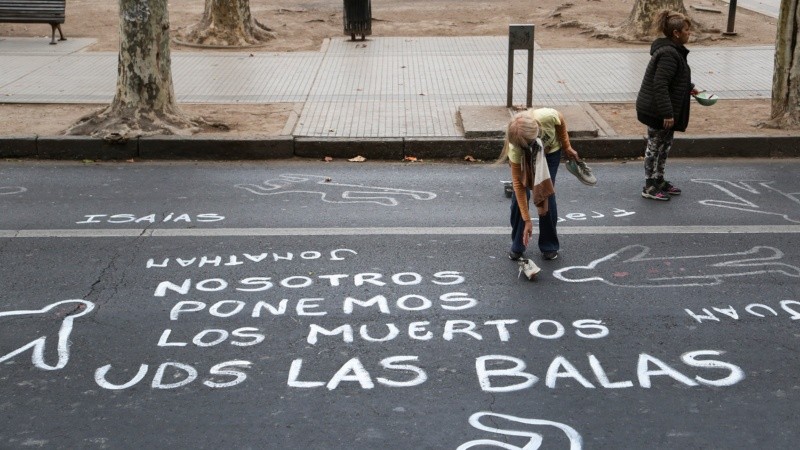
[729,117]
[303,25]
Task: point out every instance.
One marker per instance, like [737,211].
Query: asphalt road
[301,304]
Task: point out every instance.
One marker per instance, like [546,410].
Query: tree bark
[786,75]
[638,26]
[144,103]
[640,21]
[226,23]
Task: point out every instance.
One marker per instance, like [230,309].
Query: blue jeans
[548,237]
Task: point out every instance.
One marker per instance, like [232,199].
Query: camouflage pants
[659,142]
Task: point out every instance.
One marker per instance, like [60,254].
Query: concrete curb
[453,148]
[282,147]
[740,146]
[369,148]
[83,147]
[214,148]
[23,146]
[693,147]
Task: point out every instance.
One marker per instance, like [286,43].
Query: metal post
[520,37]
[731,19]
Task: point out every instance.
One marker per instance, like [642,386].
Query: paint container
[528,267]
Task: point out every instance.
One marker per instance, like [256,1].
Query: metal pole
[529,97]
[510,76]
[520,37]
[731,19]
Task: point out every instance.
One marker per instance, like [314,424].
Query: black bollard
[731,19]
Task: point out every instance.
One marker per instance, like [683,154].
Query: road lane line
[388,231]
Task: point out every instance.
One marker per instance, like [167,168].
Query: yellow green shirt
[548,120]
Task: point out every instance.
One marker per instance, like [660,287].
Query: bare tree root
[627,32]
[256,35]
[118,125]
[784,122]
[264,27]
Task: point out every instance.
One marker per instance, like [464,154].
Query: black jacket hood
[666,86]
[666,42]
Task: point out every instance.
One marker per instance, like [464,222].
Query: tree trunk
[786,78]
[226,23]
[640,21]
[638,26]
[144,103]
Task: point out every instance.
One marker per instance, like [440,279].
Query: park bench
[35,11]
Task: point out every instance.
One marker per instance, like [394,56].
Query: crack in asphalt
[130,250]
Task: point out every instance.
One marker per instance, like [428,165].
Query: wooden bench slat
[35,11]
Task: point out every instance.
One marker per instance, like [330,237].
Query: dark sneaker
[514,256]
[667,187]
[654,193]
[549,256]
[581,171]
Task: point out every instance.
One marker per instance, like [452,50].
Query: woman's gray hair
[521,131]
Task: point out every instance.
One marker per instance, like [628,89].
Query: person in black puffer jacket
[663,100]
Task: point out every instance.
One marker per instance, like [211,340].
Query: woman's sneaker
[581,171]
[514,256]
[667,187]
[654,193]
[549,256]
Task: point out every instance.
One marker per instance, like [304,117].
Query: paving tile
[770,8]
[386,87]
[18,66]
[88,78]
[41,45]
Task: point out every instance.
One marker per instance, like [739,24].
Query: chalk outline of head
[535,439]
[37,357]
[11,190]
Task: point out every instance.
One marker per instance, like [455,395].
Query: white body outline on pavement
[766,263]
[38,344]
[575,439]
[11,190]
[753,188]
[353,193]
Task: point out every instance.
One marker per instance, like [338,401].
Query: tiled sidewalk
[383,87]
[769,8]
